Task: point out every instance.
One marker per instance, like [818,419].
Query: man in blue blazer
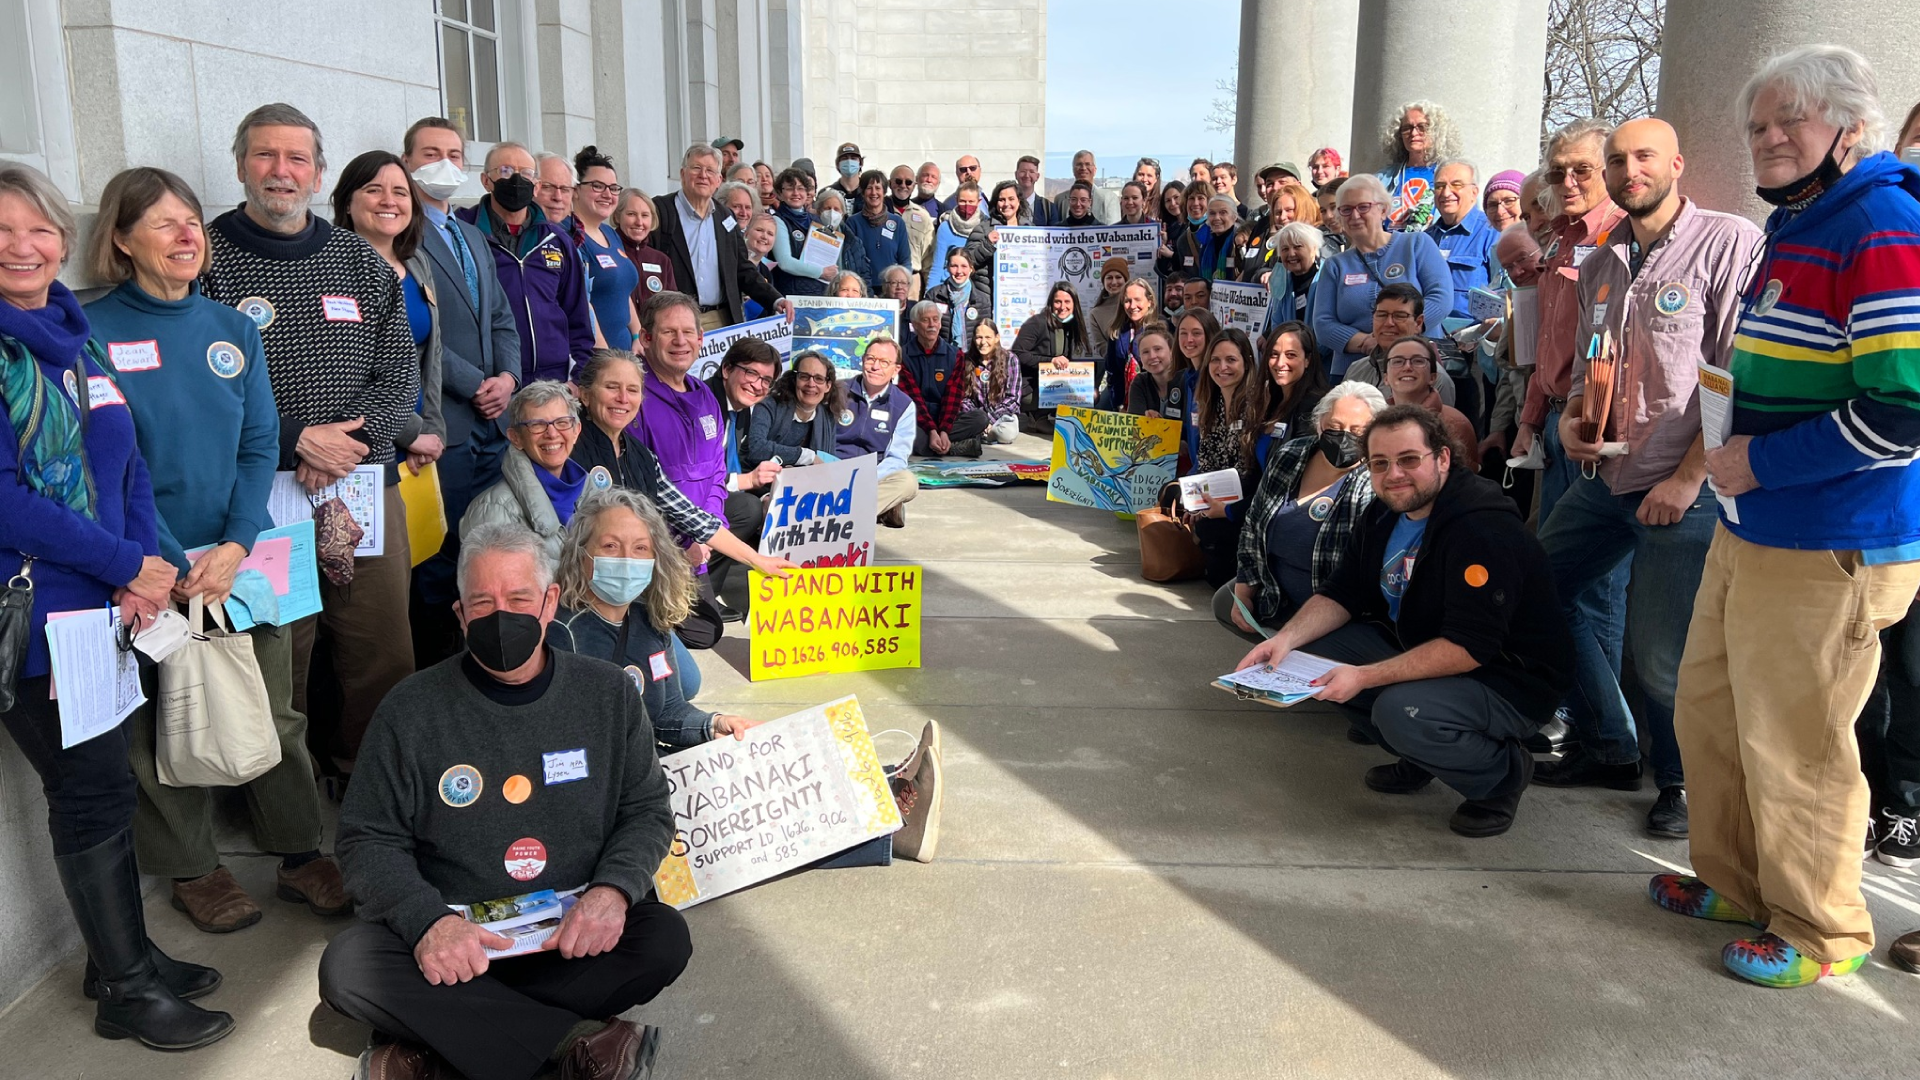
[1026,175]
[480,363]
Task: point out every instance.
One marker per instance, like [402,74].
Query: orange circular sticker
[1476,576]
[517,789]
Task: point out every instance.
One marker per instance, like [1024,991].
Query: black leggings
[90,787]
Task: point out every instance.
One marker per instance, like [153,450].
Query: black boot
[103,889]
[187,981]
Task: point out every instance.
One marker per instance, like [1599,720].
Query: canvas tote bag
[213,726]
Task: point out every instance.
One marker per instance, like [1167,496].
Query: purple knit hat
[1509,180]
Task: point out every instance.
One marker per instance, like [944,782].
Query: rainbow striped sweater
[1826,367]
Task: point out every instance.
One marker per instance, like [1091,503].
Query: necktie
[733,446]
[459,245]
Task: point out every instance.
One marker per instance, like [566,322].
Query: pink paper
[270,557]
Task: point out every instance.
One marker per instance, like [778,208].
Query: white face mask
[440,179]
[830,218]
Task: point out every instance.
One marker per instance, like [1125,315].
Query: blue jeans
[689,671]
[1560,474]
[1593,540]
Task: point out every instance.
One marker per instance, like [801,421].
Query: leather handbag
[1168,549]
[213,725]
[16,626]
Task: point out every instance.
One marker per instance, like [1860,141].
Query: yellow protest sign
[855,618]
[1111,461]
[426,513]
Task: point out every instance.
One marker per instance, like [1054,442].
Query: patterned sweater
[1826,370]
[333,321]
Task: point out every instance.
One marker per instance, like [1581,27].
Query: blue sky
[1118,86]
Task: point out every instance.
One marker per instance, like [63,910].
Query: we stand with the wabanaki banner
[1028,260]
[1111,461]
[1240,305]
[775,330]
[793,791]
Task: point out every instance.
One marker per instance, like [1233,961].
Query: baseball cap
[729,140]
[1287,167]
[847,150]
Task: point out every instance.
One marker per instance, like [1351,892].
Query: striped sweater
[1826,367]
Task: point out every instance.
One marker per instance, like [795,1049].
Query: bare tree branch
[1220,117]
[1603,60]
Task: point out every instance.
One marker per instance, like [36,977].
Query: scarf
[46,420]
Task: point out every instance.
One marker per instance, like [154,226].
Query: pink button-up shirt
[1559,296]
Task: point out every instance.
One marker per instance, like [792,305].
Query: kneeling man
[1445,622]
[508,769]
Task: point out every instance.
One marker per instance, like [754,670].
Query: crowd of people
[1498,567]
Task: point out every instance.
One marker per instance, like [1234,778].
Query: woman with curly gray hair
[1420,135]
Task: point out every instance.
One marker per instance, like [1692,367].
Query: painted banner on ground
[793,791]
[978,473]
[1111,461]
[824,515]
[816,621]
[1240,305]
[1028,260]
[840,327]
[775,330]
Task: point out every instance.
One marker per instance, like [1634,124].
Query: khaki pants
[372,648]
[897,488]
[173,827]
[712,320]
[1780,656]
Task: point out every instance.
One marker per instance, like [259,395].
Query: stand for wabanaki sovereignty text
[794,791]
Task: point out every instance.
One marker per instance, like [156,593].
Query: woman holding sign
[210,482]
[76,513]
[1227,406]
[1053,337]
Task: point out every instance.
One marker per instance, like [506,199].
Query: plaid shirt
[949,404]
[1278,485]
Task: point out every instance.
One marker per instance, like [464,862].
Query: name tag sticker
[1354,279]
[710,426]
[1581,251]
[340,309]
[880,416]
[134,355]
[657,663]
[565,766]
[605,261]
[101,393]
[1446,253]
[730,222]
[651,268]
[1599,316]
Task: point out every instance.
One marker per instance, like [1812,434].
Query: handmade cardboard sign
[1111,461]
[824,514]
[816,621]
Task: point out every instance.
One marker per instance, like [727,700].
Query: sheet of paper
[822,248]
[1716,420]
[1074,386]
[1289,681]
[270,556]
[1525,329]
[426,511]
[287,558]
[1486,303]
[363,490]
[100,684]
[1219,487]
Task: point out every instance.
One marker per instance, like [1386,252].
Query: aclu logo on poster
[824,514]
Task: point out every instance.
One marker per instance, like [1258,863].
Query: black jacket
[634,468]
[979,307]
[740,417]
[1481,581]
[737,273]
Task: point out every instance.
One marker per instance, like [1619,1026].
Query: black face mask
[1795,194]
[513,194]
[1340,448]
[503,640]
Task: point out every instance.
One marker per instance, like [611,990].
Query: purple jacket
[545,285]
[687,431]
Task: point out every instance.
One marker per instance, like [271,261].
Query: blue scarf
[48,422]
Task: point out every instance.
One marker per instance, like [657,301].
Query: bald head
[1519,254]
[1643,167]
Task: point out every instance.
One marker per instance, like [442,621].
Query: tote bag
[1168,550]
[213,726]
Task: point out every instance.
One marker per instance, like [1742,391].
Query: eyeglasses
[1394,316]
[811,377]
[1453,185]
[601,187]
[700,170]
[561,424]
[505,171]
[1504,198]
[1359,209]
[564,189]
[901,181]
[965,169]
[1406,463]
[1581,173]
[1405,362]
[752,381]
[1422,128]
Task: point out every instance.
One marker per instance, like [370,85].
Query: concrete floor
[1138,877]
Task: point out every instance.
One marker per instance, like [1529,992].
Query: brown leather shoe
[216,903]
[620,1051]
[317,885]
[404,1061]
[1905,951]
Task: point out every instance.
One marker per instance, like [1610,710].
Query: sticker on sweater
[1580,253]
[653,283]
[846,417]
[658,664]
[730,222]
[226,359]
[1354,279]
[639,677]
[460,785]
[651,268]
[134,355]
[1599,316]
[1672,298]
[526,859]
[606,261]
[1769,297]
[887,230]
[339,309]
[1394,272]
[565,766]
[259,309]
[880,416]
[101,393]
[517,789]
[553,259]
[72,384]
[939,376]
[600,478]
[710,427]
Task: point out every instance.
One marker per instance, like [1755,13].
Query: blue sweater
[883,245]
[1343,296]
[81,561]
[195,376]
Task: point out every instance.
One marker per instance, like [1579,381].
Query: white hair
[1366,182]
[1579,131]
[1366,392]
[914,312]
[1299,232]
[538,393]
[1227,201]
[1443,137]
[1472,172]
[506,537]
[1833,77]
[700,149]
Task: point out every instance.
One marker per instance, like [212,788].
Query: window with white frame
[470,66]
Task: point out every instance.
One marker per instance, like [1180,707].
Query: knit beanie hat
[1509,180]
[1115,265]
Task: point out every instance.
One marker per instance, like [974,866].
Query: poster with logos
[1028,260]
[1240,305]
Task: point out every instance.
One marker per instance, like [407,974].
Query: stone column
[1296,82]
[786,52]
[1709,50]
[1484,64]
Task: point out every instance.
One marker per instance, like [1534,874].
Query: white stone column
[1710,48]
[787,99]
[565,46]
[1483,63]
[1296,82]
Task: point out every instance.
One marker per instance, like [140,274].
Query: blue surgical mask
[850,168]
[620,581]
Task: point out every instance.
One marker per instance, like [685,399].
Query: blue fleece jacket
[195,376]
[884,245]
[81,561]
